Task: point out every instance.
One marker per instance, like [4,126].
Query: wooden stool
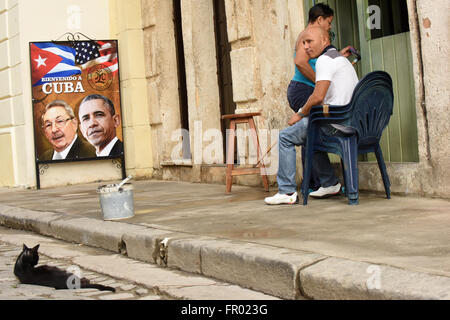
[260,168]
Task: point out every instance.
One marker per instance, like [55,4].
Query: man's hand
[315,99]
[294,119]
[346,51]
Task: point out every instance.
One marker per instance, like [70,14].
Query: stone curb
[336,278]
[267,269]
[285,273]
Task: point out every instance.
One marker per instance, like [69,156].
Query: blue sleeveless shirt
[298,76]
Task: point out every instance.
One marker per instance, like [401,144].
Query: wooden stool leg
[230,155]
[258,153]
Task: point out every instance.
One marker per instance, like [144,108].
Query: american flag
[91,53]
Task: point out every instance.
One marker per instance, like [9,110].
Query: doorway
[182,88]
[223,48]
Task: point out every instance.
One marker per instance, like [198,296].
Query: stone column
[127,27]
[202,82]
[161,76]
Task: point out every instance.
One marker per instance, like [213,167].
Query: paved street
[133,280]
[290,252]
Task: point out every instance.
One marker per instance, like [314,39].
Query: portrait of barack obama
[98,123]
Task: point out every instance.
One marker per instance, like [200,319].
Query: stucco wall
[276,25]
[23,22]
[433,21]
[12,118]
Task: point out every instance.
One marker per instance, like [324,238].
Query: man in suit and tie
[98,123]
[60,129]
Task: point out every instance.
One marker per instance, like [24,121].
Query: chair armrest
[328,110]
[330,113]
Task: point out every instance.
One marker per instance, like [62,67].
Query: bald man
[335,81]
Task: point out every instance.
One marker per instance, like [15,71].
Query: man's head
[321,15]
[59,124]
[98,120]
[315,40]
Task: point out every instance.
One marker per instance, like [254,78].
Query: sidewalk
[379,249]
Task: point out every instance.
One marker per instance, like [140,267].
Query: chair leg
[353,198]
[384,174]
[308,167]
[343,176]
[350,153]
[306,181]
[251,123]
[230,156]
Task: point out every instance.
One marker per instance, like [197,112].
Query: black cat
[25,269]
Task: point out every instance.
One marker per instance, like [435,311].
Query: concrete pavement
[380,249]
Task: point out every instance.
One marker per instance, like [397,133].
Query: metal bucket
[116,202]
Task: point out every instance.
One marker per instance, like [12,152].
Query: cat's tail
[85,283]
[99,287]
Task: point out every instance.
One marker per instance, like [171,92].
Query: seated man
[335,81]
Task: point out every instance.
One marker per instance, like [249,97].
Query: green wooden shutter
[393,55]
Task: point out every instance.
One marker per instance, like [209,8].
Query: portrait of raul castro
[59,125]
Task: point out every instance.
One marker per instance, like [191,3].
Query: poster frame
[40,165]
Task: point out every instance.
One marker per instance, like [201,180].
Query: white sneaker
[282,199]
[326,192]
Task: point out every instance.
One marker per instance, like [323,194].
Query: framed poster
[76,101]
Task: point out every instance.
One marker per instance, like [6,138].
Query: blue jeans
[290,137]
[297,95]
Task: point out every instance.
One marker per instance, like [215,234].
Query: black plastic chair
[361,124]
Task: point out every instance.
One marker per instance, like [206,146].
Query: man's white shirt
[63,154]
[342,76]
[106,151]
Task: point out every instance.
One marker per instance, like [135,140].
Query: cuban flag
[51,60]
